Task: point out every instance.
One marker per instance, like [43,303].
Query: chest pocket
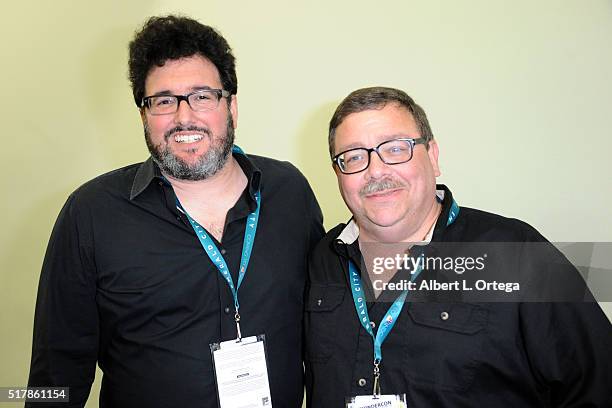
[445,343]
[322,311]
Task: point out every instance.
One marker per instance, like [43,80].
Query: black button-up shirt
[450,353]
[125,282]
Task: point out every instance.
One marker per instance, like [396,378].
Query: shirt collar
[149,171]
[252,173]
[350,233]
[146,173]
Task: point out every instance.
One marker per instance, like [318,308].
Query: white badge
[378,401]
[241,373]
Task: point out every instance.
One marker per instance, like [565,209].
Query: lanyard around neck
[390,317]
[215,255]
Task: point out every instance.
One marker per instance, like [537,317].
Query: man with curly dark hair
[152,266]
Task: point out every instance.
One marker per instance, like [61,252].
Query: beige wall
[519,95]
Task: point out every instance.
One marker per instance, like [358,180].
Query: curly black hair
[173,37]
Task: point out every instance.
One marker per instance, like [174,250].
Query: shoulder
[477,225]
[116,183]
[282,176]
[95,200]
[325,262]
[276,169]
[325,246]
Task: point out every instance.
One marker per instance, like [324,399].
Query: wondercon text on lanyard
[390,317]
[215,255]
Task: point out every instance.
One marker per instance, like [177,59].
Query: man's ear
[433,152]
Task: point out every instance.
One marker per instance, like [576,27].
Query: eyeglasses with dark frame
[394,151]
[199,101]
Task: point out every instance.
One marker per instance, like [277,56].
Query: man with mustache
[374,338]
[151,267]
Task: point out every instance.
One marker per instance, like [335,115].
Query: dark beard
[207,165]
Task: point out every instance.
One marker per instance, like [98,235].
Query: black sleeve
[316,218]
[65,341]
[568,338]
[316,234]
[569,349]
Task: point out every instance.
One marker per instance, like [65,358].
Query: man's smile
[188,138]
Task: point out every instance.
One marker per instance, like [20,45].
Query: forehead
[182,75]
[371,127]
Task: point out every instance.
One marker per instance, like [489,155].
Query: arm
[316,230]
[568,347]
[65,341]
[567,336]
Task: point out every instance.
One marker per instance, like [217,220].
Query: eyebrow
[351,146]
[358,145]
[167,92]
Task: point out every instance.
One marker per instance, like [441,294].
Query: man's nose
[377,167]
[184,113]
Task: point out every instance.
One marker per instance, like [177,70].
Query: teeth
[187,138]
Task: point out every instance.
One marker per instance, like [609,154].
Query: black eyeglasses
[199,101]
[393,151]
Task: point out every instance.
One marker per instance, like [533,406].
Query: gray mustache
[183,128]
[375,186]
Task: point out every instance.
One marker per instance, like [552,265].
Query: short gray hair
[377,98]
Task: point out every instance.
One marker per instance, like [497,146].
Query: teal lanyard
[215,255]
[390,317]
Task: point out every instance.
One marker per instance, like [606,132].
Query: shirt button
[223,251]
[444,316]
[319,302]
[361,382]
[373,325]
[227,310]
